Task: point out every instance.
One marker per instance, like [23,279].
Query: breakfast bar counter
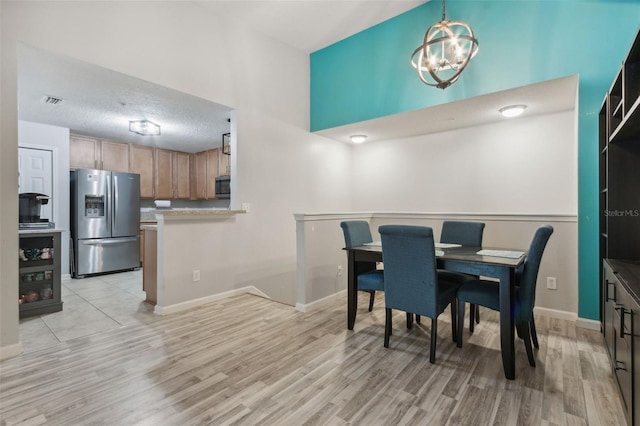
[151,215]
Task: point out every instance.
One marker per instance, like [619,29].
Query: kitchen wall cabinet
[182,175]
[83,152]
[39,280]
[163,174]
[141,162]
[92,153]
[619,182]
[114,156]
[213,165]
[206,171]
[173,174]
[200,176]
[224,168]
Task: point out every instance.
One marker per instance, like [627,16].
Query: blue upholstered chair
[464,233]
[410,279]
[487,293]
[468,234]
[357,233]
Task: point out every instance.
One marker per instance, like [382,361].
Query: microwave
[223,187]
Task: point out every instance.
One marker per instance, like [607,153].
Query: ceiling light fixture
[512,110]
[447,48]
[144,127]
[358,138]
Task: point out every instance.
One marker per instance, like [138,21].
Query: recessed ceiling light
[358,138]
[512,110]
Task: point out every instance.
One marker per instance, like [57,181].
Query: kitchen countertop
[150,215]
[39,231]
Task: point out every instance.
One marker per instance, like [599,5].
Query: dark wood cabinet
[39,284]
[619,184]
[621,320]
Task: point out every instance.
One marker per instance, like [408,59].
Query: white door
[35,174]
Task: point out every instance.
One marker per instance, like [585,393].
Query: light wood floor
[246,360]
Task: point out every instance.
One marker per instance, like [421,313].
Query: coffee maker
[29,210]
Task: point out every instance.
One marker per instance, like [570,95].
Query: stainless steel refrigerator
[105,221]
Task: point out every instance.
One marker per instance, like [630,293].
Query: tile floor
[91,305]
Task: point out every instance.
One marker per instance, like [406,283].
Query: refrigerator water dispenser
[94,206]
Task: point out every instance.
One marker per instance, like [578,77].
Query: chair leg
[460,324]
[418,319]
[409,320]
[472,314]
[372,297]
[523,328]
[434,337]
[387,327]
[534,334]
[454,319]
[477,314]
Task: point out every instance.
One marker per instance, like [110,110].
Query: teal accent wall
[369,75]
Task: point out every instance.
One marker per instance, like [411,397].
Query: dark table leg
[352,296]
[507,335]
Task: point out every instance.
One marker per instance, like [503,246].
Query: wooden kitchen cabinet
[212,171]
[200,173]
[172,174]
[224,167]
[114,156]
[141,246]
[206,171]
[182,175]
[83,152]
[92,153]
[141,162]
[150,271]
[164,174]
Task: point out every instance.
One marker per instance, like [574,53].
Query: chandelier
[447,49]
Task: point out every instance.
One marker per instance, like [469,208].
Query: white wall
[514,175]
[44,136]
[524,165]
[281,168]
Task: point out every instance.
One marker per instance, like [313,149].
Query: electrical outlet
[339,270]
[196,275]
[552,283]
[246,207]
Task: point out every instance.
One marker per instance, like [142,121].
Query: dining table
[499,263]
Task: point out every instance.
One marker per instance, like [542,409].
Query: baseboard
[568,316]
[10,351]
[589,324]
[190,304]
[554,313]
[319,304]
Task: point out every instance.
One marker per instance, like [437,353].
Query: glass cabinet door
[38,275]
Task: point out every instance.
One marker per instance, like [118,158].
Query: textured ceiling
[100,102]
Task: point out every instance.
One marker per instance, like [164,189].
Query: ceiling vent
[52,100]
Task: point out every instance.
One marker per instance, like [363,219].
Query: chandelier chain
[443,10]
